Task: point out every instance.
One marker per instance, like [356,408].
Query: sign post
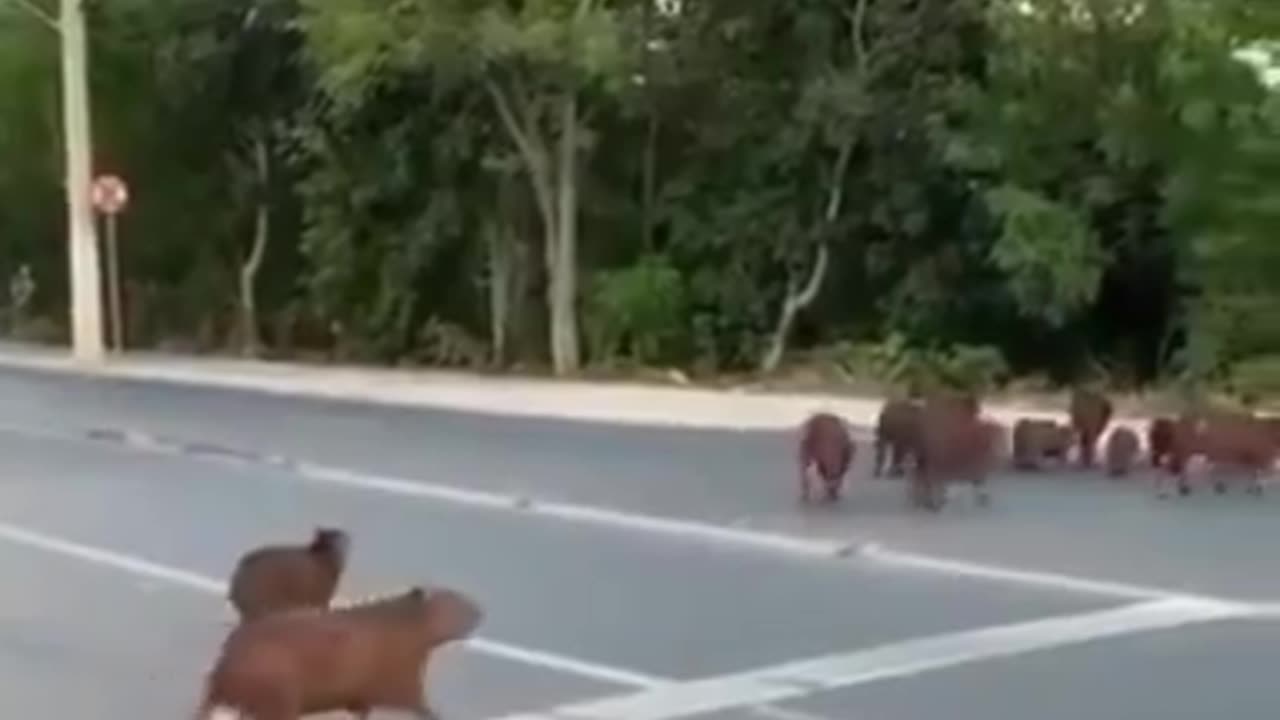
[110,197]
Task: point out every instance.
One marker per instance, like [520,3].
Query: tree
[539,63]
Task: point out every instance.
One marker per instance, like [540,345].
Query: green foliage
[1257,377]
[637,312]
[1003,187]
[897,362]
[1053,262]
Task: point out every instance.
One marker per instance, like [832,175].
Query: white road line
[642,522]
[915,561]
[805,677]
[176,576]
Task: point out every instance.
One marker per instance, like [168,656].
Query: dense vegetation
[978,187]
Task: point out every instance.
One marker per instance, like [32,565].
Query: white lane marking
[185,578]
[805,677]
[671,527]
[931,563]
[146,568]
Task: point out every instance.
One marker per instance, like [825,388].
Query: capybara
[307,660]
[1227,440]
[825,443]
[272,578]
[1121,450]
[898,430]
[1273,427]
[1160,439]
[955,444]
[1090,413]
[1036,439]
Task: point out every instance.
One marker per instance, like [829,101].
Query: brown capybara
[1272,424]
[1035,440]
[1160,439]
[307,660]
[272,578]
[898,431]
[1090,413]
[825,443]
[1227,440]
[956,444]
[999,439]
[1121,451]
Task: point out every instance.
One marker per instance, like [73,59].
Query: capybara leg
[877,467]
[832,487]
[899,457]
[804,482]
[981,495]
[1088,441]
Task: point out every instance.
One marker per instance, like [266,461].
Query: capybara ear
[450,615]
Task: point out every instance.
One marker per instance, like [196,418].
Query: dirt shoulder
[668,401]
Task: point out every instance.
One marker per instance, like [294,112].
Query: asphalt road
[112,553]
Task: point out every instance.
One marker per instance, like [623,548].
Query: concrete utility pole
[86,269]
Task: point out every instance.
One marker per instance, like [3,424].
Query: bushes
[637,313]
[1256,377]
[897,362]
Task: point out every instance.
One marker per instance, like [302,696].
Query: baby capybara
[272,578]
[1090,413]
[1121,451]
[825,443]
[1035,440]
[898,431]
[305,661]
[1159,440]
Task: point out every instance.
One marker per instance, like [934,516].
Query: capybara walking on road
[898,432]
[825,443]
[1090,413]
[272,578]
[956,445]
[1121,451]
[305,661]
[1228,440]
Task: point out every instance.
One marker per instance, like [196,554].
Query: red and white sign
[109,194]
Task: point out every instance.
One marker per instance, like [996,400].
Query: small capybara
[1035,440]
[307,660]
[825,443]
[1160,439]
[1121,451]
[1227,440]
[955,445]
[272,578]
[898,431]
[1090,413]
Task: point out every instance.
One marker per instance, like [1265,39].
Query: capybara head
[331,542]
[1121,451]
[450,615]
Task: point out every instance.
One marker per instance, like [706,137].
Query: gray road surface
[91,635]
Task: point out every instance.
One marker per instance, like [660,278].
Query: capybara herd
[293,654]
[944,439]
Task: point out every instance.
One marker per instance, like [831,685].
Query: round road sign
[110,194]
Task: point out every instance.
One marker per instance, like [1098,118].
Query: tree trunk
[791,307]
[798,299]
[250,337]
[563,256]
[500,285]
